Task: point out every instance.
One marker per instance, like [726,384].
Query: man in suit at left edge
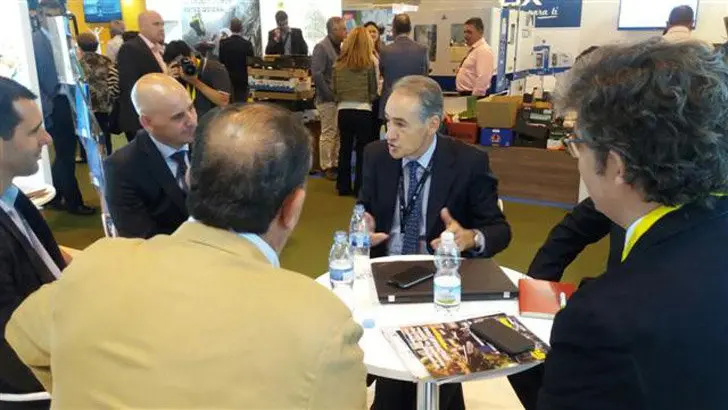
[145,180]
[29,255]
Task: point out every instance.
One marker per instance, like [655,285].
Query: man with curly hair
[652,143]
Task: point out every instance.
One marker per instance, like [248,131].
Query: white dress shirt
[394,246]
[167,153]
[476,70]
[113,46]
[7,204]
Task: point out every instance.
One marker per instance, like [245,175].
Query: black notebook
[482,279]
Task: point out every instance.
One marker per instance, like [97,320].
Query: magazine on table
[448,352]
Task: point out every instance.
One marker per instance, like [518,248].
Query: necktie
[40,250]
[180,157]
[410,243]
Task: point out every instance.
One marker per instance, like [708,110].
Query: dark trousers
[355,128]
[240,94]
[526,385]
[395,394]
[104,120]
[25,405]
[65,141]
[130,134]
[376,121]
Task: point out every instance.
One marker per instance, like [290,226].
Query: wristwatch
[479,239]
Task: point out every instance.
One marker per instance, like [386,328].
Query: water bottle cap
[447,236]
[340,236]
[367,323]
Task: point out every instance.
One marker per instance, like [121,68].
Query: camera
[188,66]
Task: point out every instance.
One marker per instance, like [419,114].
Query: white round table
[382,360]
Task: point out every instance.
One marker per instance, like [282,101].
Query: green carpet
[325,212]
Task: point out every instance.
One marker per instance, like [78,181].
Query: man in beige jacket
[205,317]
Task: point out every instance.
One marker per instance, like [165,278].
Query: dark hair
[371,23]
[476,22]
[175,49]
[663,108]
[246,160]
[11,91]
[586,52]
[129,34]
[681,16]
[281,16]
[401,24]
[236,25]
[87,42]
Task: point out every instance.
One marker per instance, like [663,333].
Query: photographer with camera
[207,81]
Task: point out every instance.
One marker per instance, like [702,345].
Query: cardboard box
[496,137]
[498,111]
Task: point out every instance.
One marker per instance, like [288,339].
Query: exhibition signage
[551,13]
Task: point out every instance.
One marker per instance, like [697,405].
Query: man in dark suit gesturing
[146,188]
[29,255]
[284,40]
[401,58]
[234,53]
[418,184]
[138,56]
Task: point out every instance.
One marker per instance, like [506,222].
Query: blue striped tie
[412,222]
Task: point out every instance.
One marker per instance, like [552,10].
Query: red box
[464,131]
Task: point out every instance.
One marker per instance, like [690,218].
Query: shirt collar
[148,42]
[423,160]
[478,43]
[9,196]
[263,247]
[259,243]
[165,149]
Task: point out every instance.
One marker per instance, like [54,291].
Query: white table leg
[428,396]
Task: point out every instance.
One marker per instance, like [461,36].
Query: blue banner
[552,13]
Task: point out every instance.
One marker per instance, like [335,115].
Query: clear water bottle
[359,241]
[341,263]
[448,290]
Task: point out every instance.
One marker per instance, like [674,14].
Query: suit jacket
[22,271]
[652,332]
[234,53]
[461,181]
[143,196]
[322,69]
[134,60]
[401,58]
[583,226]
[298,44]
[199,319]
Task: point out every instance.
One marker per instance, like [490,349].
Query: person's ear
[292,208]
[615,168]
[434,124]
[145,121]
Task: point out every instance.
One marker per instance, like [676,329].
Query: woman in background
[375,34]
[355,87]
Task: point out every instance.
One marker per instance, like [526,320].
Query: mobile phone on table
[410,277]
[502,337]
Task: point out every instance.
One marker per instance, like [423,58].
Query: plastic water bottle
[448,290]
[359,240]
[341,263]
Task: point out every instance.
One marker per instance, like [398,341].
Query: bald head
[248,160]
[165,109]
[151,26]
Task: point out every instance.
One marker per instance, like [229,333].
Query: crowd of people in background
[209,189]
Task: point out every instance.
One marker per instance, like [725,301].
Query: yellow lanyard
[644,225]
[192,91]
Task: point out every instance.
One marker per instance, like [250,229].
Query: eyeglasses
[570,144]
